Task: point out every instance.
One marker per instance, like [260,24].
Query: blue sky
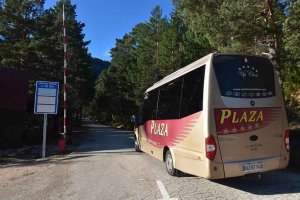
[107,20]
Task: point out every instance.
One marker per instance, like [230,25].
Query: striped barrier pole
[62,142]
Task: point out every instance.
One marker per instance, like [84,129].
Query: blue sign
[46,97]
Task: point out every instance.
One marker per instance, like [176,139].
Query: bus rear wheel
[170,164]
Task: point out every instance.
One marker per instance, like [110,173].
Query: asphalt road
[106,167]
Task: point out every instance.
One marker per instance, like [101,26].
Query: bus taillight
[210,147]
[287,141]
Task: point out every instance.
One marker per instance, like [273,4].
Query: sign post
[46,102]
[44,136]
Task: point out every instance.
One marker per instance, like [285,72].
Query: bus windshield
[244,76]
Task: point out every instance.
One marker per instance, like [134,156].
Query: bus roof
[180,72]
[193,66]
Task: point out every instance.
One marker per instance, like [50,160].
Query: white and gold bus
[221,116]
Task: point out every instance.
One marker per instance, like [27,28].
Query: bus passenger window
[169,100]
[192,93]
[149,106]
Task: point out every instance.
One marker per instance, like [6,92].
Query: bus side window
[149,106]
[169,100]
[192,92]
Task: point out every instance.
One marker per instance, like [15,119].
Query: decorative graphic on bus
[240,120]
[247,71]
[162,133]
[159,128]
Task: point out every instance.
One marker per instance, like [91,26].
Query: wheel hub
[169,163]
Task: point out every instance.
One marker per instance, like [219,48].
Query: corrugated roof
[13,89]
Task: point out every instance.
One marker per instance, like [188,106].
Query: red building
[13,103]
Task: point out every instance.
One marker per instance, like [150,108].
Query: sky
[107,20]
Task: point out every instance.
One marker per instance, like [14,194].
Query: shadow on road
[99,138]
[271,183]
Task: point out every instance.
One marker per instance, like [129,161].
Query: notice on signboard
[46,97]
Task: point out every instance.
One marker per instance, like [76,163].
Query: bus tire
[169,164]
[137,147]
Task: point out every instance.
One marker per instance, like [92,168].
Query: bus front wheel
[137,147]
[169,164]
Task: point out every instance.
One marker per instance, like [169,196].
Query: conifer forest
[110,92]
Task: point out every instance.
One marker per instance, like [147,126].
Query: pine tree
[151,50]
[236,26]
[18,19]
[31,38]
[291,71]
[114,97]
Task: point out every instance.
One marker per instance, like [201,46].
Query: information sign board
[46,97]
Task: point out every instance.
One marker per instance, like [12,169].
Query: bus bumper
[241,168]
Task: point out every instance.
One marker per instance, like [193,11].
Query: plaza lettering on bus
[246,116]
[242,120]
[159,128]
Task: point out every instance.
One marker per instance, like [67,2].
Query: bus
[221,116]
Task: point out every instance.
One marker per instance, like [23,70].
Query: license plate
[252,167]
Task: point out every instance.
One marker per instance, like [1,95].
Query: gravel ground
[12,172]
[106,167]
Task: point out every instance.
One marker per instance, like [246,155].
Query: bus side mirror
[136,120]
[133,119]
